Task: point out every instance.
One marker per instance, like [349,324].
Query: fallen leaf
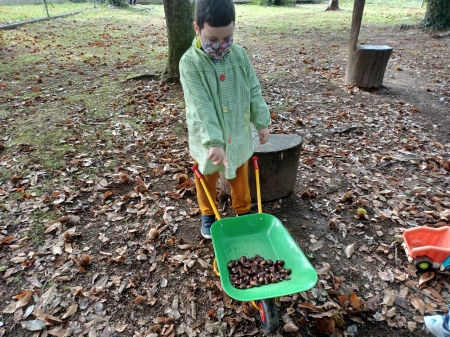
[120,327]
[354,299]
[412,326]
[349,250]
[417,303]
[387,275]
[70,311]
[107,194]
[203,263]
[102,238]
[34,325]
[425,277]
[290,327]
[60,332]
[391,312]
[10,308]
[24,300]
[389,298]
[48,296]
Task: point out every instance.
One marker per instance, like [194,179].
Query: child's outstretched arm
[259,111]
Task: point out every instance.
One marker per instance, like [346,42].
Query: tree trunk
[438,14]
[180,32]
[365,64]
[333,5]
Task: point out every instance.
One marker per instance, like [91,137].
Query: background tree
[333,5]
[179,20]
[438,14]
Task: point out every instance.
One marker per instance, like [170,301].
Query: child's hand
[263,135]
[217,156]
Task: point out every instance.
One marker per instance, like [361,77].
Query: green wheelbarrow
[264,235]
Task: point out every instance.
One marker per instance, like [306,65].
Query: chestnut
[249,272]
[246,265]
[280,263]
[242,259]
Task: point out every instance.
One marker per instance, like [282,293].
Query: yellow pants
[240,191]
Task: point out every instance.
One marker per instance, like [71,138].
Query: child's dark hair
[216,13]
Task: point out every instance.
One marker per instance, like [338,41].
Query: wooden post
[358,11]
[46,8]
[365,64]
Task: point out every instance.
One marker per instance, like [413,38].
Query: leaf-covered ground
[99,226]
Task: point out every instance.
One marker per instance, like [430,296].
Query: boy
[222,95]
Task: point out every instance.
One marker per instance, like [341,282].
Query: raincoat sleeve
[259,111]
[201,114]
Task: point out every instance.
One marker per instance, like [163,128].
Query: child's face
[215,34]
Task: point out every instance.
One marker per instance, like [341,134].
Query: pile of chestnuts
[249,272]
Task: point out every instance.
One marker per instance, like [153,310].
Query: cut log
[278,165]
[367,65]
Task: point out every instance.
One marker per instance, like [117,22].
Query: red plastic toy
[428,248]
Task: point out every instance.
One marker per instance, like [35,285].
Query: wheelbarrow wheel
[268,315]
[423,263]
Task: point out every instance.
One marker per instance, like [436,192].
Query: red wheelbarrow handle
[211,201]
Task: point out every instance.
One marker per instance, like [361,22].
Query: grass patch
[313,16]
[17,13]
[38,234]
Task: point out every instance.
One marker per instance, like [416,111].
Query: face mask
[217,50]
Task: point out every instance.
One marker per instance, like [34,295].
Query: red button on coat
[222,77]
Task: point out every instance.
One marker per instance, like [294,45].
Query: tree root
[143,77]
[441,36]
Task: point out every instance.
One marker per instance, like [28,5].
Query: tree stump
[278,165]
[333,5]
[366,66]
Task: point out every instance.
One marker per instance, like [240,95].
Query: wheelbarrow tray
[265,235]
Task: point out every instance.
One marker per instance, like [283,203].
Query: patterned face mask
[217,50]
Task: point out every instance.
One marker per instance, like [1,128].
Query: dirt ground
[149,273]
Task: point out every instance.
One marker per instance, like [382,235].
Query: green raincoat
[222,98]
